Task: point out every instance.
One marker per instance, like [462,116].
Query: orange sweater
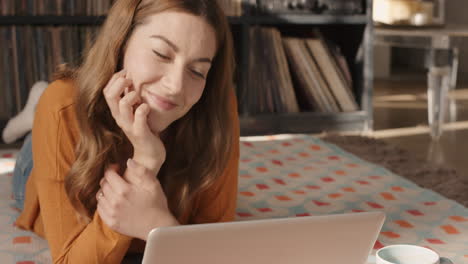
[49,213]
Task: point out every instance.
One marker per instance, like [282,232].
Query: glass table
[442,52]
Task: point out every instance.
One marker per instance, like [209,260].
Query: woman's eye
[198,74]
[161,55]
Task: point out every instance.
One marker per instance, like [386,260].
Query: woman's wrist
[150,163]
[167,220]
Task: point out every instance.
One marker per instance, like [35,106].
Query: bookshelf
[359,34]
[247,19]
[350,32]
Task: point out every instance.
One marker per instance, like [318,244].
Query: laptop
[331,239]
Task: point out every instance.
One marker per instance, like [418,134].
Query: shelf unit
[304,122]
[262,20]
[312,122]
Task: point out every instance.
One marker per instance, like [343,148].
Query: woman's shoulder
[55,113]
[60,94]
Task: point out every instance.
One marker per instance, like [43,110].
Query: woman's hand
[134,204]
[132,117]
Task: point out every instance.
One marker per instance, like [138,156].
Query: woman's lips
[161,102]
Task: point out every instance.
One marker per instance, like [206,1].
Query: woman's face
[168,59]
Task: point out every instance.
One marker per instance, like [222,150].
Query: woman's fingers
[126,108]
[113,94]
[114,167]
[107,191]
[114,78]
[141,119]
[116,75]
[121,99]
[101,198]
[136,173]
[116,183]
[104,210]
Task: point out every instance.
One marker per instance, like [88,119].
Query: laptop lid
[340,238]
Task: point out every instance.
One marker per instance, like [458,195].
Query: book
[264,62]
[285,86]
[7,71]
[306,88]
[324,89]
[15,71]
[339,59]
[3,87]
[247,93]
[342,65]
[332,74]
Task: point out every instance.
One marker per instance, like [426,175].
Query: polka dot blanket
[294,176]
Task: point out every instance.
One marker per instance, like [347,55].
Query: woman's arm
[135,203]
[70,241]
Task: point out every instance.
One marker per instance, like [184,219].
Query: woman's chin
[158,128]
[157,122]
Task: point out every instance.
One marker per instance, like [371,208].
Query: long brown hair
[198,144]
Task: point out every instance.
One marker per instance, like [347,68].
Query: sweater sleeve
[219,203]
[70,240]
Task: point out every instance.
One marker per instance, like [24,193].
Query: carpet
[439,178]
[297,176]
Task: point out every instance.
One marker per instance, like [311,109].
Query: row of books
[290,74]
[82,7]
[55,7]
[285,75]
[269,87]
[29,54]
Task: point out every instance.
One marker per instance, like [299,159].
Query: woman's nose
[174,80]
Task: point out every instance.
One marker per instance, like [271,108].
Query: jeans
[23,167]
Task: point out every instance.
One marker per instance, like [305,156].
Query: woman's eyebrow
[203,60]
[173,46]
[176,49]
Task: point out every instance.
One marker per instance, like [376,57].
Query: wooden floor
[400,117]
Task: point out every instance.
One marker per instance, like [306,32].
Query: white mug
[408,254]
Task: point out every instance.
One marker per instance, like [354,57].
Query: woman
[144,134]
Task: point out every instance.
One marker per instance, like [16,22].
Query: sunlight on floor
[459,95]
[7,161]
[271,137]
[417,130]
[6,165]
